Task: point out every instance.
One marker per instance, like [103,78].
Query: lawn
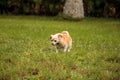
[27,54]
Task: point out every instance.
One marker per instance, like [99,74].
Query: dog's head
[55,39]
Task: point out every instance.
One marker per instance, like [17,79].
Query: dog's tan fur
[62,40]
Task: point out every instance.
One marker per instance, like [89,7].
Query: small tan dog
[61,40]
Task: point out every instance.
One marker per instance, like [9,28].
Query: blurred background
[94,8]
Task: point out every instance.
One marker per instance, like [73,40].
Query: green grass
[27,54]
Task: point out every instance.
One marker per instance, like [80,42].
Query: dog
[61,40]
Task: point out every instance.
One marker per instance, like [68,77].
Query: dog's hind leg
[69,48]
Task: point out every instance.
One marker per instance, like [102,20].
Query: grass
[26,51]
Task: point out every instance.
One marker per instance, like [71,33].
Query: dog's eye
[52,40]
[55,40]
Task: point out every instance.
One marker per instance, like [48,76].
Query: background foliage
[96,8]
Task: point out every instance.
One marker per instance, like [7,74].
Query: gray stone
[74,9]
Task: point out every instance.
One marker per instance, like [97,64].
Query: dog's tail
[65,32]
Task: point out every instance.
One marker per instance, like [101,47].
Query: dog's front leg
[65,48]
[56,49]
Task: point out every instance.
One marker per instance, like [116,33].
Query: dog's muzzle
[57,44]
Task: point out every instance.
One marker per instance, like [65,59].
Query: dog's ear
[51,36]
[60,36]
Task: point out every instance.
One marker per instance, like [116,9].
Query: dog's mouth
[55,44]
